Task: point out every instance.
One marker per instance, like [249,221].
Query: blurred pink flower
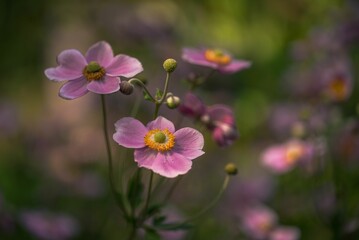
[219,118]
[283,157]
[48,226]
[284,233]
[215,59]
[258,221]
[98,71]
[158,146]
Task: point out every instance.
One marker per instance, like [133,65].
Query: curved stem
[109,156]
[136,80]
[165,89]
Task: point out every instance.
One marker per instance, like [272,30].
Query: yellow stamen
[93,72]
[217,56]
[338,89]
[294,152]
[153,141]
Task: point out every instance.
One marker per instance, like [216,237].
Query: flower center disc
[293,153]
[160,140]
[338,88]
[93,71]
[217,56]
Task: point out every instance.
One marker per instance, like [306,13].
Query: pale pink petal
[145,157]
[221,113]
[74,89]
[105,86]
[101,53]
[275,159]
[123,65]
[71,64]
[161,123]
[285,233]
[196,56]
[234,66]
[171,164]
[130,133]
[189,143]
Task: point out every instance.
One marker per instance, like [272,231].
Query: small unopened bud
[231,169]
[173,102]
[170,65]
[126,87]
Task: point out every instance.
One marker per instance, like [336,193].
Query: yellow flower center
[160,140]
[338,89]
[93,71]
[293,153]
[217,56]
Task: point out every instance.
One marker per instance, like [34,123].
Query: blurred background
[53,167]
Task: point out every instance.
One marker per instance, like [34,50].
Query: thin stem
[143,86]
[109,156]
[148,194]
[165,89]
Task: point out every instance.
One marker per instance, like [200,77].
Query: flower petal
[71,64]
[105,86]
[130,133]
[171,164]
[189,143]
[274,158]
[101,53]
[123,65]
[74,89]
[234,66]
[145,157]
[161,123]
[196,56]
[192,106]
[221,113]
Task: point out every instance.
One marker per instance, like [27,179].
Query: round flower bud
[169,65]
[173,102]
[231,169]
[126,87]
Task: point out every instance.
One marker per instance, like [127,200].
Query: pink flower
[284,233]
[158,146]
[48,226]
[214,58]
[258,221]
[219,119]
[98,71]
[282,158]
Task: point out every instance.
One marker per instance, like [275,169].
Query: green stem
[109,156]
[143,86]
[148,195]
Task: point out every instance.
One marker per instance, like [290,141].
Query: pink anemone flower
[215,59]
[283,157]
[284,233]
[98,71]
[158,146]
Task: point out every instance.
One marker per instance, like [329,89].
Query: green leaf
[159,94]
[147,97]
[152,234]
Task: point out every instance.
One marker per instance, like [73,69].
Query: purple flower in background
[158,146]
[215,59]
[48,226]
[219,119]
[258,221]
[98,71]
[283,157]
[284,233]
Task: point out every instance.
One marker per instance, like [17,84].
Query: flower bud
[169,65]
[173,102]
[231,169]
[126,87]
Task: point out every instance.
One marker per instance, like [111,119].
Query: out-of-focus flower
[284,233]
[219,119]
[283,157]
[49,226]
[258,221]
[215,59]
[98,71]
[158,146]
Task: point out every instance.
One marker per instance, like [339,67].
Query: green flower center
[159,137]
